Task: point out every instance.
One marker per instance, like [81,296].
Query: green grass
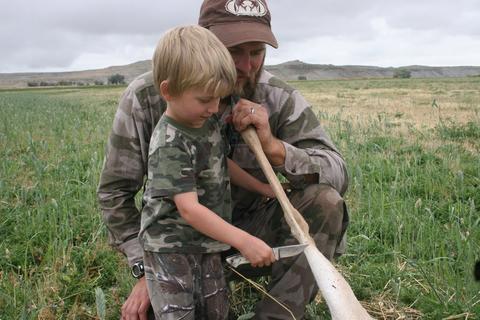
[53,250]
[414,198]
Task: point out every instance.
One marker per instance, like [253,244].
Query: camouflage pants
[186,286]
[292,282]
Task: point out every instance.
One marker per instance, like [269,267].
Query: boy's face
[193,107]
[248,58]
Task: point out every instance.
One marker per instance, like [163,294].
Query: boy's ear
[164,90]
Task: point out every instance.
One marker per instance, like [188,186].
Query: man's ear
[164,90]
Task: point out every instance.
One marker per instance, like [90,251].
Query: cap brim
[232,34]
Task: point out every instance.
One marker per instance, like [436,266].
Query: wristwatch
[138,270]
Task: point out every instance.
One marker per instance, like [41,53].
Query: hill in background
[297,70]
[292,70]
[129,71]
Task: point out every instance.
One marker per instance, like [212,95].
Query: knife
[279,252]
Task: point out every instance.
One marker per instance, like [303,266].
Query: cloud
[50,35]
[70,35]
[383,33]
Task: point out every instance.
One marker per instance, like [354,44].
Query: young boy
[186,217]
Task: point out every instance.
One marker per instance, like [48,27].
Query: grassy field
[413,151]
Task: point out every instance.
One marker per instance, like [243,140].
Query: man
[291,137]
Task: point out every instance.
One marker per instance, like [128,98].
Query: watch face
[137,270]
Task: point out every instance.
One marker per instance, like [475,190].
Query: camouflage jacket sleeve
[309,149]
[125,164]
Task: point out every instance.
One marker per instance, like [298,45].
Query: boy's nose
[213,108]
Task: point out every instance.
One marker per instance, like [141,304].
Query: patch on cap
[238,21]
[252,8]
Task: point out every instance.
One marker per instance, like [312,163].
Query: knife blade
[279,252]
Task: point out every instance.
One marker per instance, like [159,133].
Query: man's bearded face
[246,88]
[249,59]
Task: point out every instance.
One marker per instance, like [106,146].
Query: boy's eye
[205,100]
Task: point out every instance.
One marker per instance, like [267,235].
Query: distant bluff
[291,70]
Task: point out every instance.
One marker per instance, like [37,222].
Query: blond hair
[193,57]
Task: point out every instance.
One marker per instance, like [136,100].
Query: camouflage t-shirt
[183,159]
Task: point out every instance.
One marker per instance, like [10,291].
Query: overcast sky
[47,35]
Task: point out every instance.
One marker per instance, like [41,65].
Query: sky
[50,35]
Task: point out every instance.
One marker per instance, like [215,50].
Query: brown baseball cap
[238,21]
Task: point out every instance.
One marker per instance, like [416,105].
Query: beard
[247,89]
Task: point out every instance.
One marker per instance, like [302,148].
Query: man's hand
[137,304]
[247,113]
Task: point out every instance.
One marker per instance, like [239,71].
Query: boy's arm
[207,222]
[241,178]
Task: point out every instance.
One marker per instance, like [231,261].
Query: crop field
[413,153]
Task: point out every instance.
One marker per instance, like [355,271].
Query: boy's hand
[267,191]
[257,252]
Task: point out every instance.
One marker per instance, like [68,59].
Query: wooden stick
[340,298]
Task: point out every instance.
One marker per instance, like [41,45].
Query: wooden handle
[337,293]
[298,225]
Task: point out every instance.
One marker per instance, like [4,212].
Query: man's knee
[324,210]
[327,198]
[319,202]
